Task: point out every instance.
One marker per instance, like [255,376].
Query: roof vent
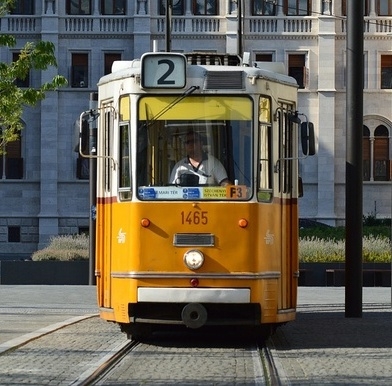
[224,80]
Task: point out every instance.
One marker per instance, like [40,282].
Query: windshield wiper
[186,93]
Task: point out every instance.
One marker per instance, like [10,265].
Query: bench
[371,277]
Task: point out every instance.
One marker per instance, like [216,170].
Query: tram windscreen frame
[224,126]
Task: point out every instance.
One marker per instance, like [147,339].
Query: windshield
[198,148]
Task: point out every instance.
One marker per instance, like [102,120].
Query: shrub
[64,248]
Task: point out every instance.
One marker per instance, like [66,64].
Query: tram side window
[265,179]
[125,177]
[286,142]
[124,182]
[107,143]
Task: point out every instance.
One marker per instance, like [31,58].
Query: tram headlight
[193,259]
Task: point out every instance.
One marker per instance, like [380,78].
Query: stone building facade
[43,189]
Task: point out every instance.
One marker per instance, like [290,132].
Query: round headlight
[193,259]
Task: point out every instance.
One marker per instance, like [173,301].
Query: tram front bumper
[194,295]
[195,307]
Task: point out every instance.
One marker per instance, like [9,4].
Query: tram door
[104,210]
[288,207]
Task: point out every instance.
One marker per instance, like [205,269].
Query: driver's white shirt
[210,171]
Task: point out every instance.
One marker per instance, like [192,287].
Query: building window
[109,59]
[365,7]
[297,7]
[79,71]
[113,7]
[178,7]
[11,163]
[376,162]
[263,57]
[386,71]
[381,154]
[14,234]
[18,81]
[384,7]
[23,7]
[205,7]
[78,7]
[84,231]
[297,69]
[263,7]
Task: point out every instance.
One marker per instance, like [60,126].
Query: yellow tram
[209,238]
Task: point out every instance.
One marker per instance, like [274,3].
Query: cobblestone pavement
[187,360]
[59,358]
[323,347]
[26,308]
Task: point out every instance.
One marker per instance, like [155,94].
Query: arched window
[366,153]
[11,162]
[381,154]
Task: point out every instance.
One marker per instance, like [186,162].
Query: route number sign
[163,70]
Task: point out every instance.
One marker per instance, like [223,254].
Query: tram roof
[273,71]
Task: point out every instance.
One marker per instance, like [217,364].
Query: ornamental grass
[313,249]
[64,248]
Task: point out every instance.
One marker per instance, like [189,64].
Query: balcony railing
[190,24]
[371,25]
[20,24]
[100,24]
[278,25]
[308,25]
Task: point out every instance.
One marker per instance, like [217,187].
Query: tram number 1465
[194,217]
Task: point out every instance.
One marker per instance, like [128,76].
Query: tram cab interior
[225,129]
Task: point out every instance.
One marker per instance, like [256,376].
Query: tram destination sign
[163,70]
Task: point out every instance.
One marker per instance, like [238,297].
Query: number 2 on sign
[194,217]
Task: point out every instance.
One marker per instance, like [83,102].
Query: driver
[206,167]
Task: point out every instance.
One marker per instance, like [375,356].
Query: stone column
[326,124]
[372,139]
[48,215]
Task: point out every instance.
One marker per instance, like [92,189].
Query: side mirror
[307,138]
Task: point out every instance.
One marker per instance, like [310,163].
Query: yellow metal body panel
[259,257]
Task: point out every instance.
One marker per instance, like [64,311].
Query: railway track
[86,350]
[179,361]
